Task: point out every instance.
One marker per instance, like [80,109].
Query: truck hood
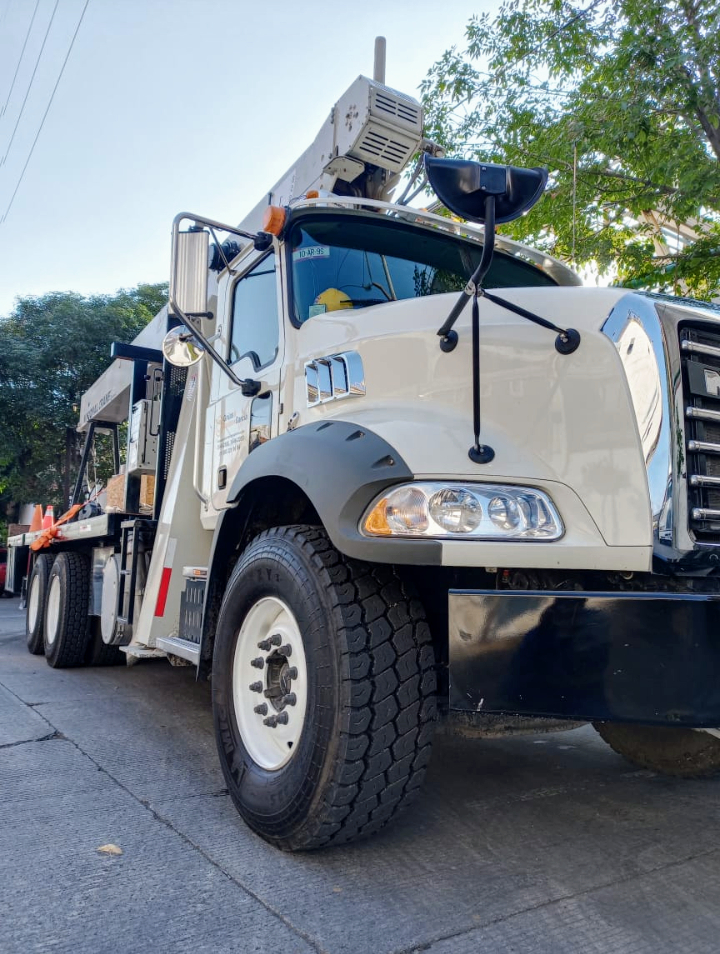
[548,417]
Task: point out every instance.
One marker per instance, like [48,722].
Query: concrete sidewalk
[544,844]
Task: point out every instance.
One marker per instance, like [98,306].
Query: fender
[340,468]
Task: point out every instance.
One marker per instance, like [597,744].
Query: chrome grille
[700,352]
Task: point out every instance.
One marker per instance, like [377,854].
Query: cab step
[179,647]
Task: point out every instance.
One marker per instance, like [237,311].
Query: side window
[255,329]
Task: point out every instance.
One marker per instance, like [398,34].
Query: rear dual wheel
[71,637]
[323,691]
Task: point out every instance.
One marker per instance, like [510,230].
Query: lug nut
[290,699]
[258,663]
[267,644]
[256,687]
[292,672]
[281,718]
[271,721]
[261,709]
[285,650]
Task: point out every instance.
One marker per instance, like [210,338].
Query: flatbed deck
[104,525]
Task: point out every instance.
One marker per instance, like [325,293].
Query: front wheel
[323,691]
[669,750]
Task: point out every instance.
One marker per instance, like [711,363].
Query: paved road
[542,844]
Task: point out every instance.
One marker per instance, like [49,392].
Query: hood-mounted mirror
[463,187]
[488,193]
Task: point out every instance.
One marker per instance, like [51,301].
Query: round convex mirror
[181,348]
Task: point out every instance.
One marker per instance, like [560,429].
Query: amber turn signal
[274,220]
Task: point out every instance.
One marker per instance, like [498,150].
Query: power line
[22,53]
[27,93]
[47,110]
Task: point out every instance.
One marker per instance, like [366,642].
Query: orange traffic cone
[37,520]
[49,518]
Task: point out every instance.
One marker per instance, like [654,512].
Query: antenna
[379,64]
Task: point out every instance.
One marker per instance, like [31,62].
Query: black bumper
[622,657]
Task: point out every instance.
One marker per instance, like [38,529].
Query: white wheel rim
[33,603]
[269,678]
[52,610]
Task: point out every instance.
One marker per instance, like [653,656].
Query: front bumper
[624,657]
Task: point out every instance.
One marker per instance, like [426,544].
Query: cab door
[252,342]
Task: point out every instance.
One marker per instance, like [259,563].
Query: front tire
[361,671]
[37,596]
[676,751]
[67,631]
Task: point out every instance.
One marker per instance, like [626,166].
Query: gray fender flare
[340,467]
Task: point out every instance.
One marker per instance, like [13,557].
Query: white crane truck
[375,507]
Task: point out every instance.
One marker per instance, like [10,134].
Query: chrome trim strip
[334,377]
[704,513]
[311,384]
[704,447]
[645,331]
[700,480]
[703,414]
[696,348]
[644,346]
[325,388]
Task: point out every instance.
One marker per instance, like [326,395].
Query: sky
[173,105]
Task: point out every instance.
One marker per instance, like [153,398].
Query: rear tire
[37,596]
[362,674]
[680,752]
[67,631]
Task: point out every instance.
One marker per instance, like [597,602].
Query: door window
[255,325]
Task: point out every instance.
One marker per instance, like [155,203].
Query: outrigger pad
[463,185]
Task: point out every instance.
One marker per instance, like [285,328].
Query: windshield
[353,262]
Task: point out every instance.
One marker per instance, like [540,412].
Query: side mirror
[181,349]
[189,272]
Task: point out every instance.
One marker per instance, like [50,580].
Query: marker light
[463,511]
[274,220]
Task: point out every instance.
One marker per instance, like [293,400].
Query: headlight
[463,511]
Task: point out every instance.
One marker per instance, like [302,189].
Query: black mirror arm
[568,339]
[448,337]
[248,386]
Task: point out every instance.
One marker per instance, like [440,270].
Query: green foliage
[52,348]
[620,100]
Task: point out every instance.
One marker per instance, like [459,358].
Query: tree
[620,100]
[52,348]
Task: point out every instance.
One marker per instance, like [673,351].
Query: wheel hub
[270,689]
